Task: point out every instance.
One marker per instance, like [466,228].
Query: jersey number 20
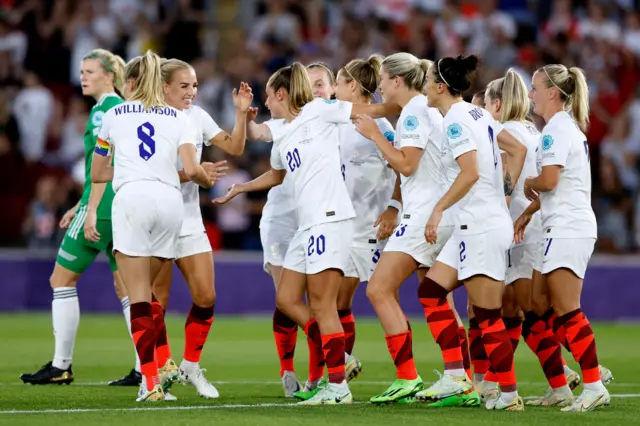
[147,145]
[293,159]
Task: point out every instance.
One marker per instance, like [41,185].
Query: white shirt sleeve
[104,144]
[335,111]
[275,126]
[412,132]
[387,130]
[460,138]
[187,131]
[210,128]
[555,149]
[276,160]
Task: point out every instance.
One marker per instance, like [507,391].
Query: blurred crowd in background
[43,115]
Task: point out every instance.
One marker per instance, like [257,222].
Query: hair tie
[104,62]
[554,83]
[442,77]
[352,78]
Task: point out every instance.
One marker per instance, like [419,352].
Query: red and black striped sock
[196,331]
[316,353]
[349,326]
[333,347]
[285,334]
[144,338]
[498,347]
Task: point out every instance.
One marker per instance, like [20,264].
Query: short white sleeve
[497,127]
[412,132]
[386,129]
[335,111]
[276,160]
[104,128]
[104,144]
[210,128]
[460,139]
[275,127]
[555,150]
[187,133]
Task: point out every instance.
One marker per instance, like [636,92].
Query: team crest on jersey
[389,135]
[330,101]
[547,142]
[454,131]
[96,119]
[410,123]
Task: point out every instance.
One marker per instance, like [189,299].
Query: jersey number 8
[147,145]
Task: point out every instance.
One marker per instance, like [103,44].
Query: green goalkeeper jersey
[104,104]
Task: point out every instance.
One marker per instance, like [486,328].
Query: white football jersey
[204,129]
[421,127]
[566,210]
[529,136]
[280,201]
[369,181]
[484,207]
[309,150]
[146,142]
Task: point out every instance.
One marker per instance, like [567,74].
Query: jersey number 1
[147,145]
[493,148]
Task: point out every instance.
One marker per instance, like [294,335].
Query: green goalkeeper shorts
[76,253]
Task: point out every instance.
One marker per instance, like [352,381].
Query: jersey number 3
[147,145]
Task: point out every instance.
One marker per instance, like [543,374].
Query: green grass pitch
[240,358]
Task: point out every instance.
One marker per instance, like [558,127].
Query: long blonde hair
[295,80]
[412,70]
[512,93]
[110,63]
[572,87]
[147,75]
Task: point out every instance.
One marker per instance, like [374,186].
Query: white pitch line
[201,407]
[273,382]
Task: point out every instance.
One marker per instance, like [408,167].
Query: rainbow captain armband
[102,147]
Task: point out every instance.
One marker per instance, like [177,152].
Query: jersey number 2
[147,145]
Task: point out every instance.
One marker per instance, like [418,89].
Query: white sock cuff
[125,302]
[64,293]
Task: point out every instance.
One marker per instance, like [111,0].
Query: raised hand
[252,113]
[242,97]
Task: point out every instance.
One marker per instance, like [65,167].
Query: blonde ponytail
[147,75]
[366,73]
[573,90]
[410,68]
[512,93]
[295,80]
[580,97]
